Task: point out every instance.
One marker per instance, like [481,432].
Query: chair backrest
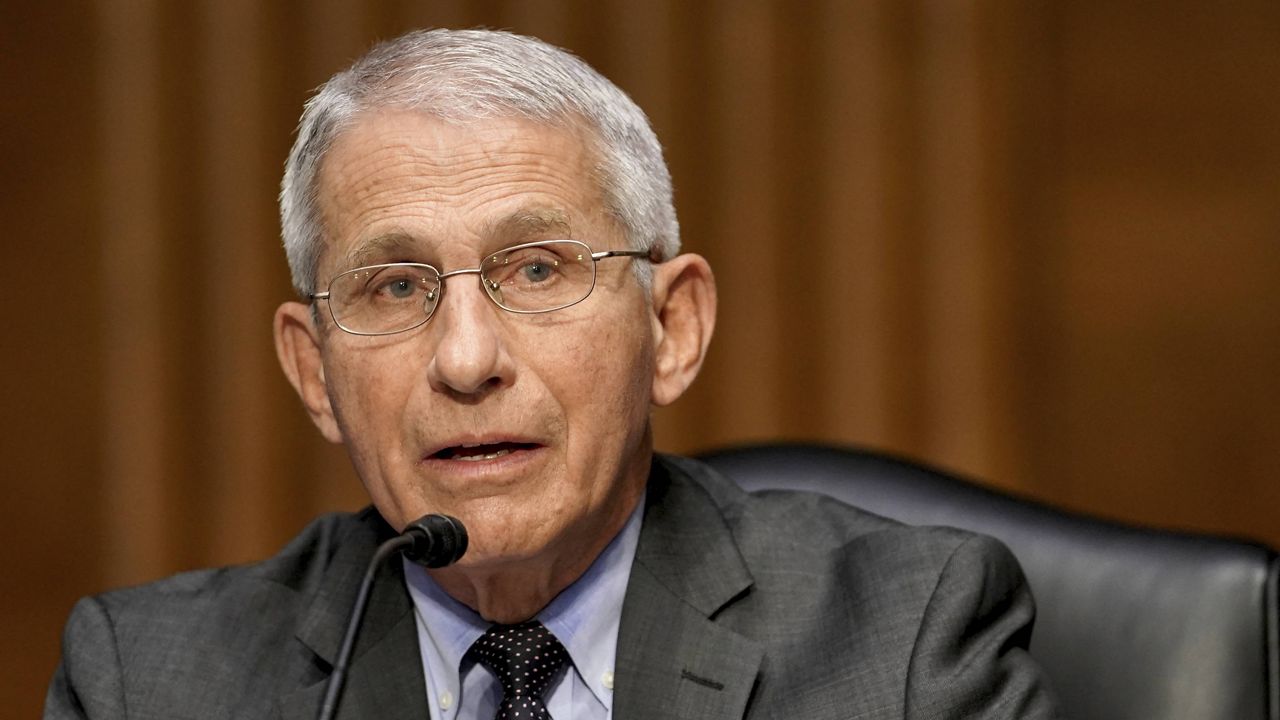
[1132,623]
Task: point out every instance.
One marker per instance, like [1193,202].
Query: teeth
[485,456]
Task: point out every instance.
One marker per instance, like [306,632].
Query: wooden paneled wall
[1037,242]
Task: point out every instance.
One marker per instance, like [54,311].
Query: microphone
[432,540]
[438,540]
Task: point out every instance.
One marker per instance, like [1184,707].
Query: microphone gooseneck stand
[432,540]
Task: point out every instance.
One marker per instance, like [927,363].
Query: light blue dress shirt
[584,617]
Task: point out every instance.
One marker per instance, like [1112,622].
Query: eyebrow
[516,227]
[530,221]
[380,248]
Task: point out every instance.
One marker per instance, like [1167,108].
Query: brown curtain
[1035,242]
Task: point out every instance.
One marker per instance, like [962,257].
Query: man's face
[532,429]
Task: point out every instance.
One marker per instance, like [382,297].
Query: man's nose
[470,352]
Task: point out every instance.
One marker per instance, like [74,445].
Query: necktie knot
[525,658]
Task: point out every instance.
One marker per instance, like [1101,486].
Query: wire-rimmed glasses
[536,277]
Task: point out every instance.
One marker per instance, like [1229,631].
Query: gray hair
[465,75]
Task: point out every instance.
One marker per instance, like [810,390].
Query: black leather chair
[1132,624]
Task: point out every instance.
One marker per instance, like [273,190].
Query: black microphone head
[438,540]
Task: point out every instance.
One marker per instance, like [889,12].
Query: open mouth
[480,452]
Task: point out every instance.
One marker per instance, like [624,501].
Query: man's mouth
[480,452]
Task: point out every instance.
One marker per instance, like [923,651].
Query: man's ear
[684,317]
[298,348]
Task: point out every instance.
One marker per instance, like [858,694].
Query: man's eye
[399,288]
[537,271]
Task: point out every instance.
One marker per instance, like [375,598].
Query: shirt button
[607,679]
[446,700]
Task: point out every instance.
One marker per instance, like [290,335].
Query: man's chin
[505,548]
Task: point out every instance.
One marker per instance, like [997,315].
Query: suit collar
[385,673]
[674,660]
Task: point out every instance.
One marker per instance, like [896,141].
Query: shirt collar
[584,617]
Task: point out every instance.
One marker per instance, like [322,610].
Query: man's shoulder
[804,524]
[857,613]
[181,642]
[219,610]
[806,547]
[297,569]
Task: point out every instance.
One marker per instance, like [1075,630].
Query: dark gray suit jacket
[759,606]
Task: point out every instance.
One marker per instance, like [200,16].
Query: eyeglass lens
[538,278]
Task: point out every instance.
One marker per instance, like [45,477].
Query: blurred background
[1035,242]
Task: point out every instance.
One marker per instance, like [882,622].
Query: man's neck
[516,591]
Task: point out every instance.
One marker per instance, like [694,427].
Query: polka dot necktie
[524,657]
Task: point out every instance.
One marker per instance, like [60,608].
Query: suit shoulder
[154,645]
[809,523]
[843,550]
[201,601]
[904,617]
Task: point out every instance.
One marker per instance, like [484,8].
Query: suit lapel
[384,678]
[673,659]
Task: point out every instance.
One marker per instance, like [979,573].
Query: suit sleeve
[970,658]
[88,681]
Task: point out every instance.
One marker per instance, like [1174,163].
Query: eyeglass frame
[478,271]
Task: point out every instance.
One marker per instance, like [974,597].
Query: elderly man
[482,232]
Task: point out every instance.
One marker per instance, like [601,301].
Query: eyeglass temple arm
[623,253]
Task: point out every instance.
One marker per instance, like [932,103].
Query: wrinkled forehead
[394,177]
